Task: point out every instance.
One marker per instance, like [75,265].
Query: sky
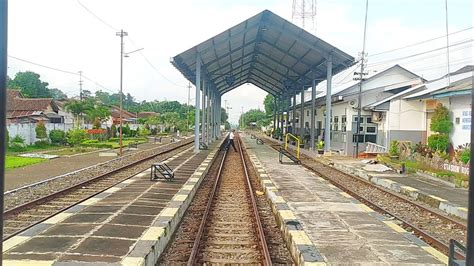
[80,35]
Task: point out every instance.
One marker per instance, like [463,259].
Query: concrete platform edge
[411,192]
[303,251]
[153,242]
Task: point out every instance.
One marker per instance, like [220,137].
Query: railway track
[18,219]
[230,229]
[432,226]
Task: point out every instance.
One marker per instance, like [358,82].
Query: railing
[297,140]
[375,148]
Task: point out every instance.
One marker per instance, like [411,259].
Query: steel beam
[203,117]
[327,127]
[313,107]
[197,103]
[302,116]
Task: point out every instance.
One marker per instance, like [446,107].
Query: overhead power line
[418,43]
[62,71]
[97,17]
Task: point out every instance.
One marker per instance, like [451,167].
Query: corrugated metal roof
[439,84]
[265,50]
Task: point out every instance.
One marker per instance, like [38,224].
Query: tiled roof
[16,103]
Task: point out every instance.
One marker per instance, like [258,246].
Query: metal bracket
[203,146]
[159,170]
[455,247]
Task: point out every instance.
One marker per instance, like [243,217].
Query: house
[379,84]
[127,117]
[31,110]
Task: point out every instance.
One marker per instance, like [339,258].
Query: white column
[203,120]
[313,106]
[327,127]
[197,103]
[302,116]
[208,113]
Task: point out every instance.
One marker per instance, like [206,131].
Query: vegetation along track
[19,218]
[224,224]
[431,225]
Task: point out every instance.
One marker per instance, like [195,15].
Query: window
[336,123]
[307,112]
[343,123]
[367,130]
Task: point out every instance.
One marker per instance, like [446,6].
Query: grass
[16,161]
[36,148]
[71,151]
[414,166]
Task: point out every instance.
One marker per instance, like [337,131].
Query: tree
[99,113]
[86,94]
[30,85]
[78,108]
[41,131]
[57,94]
[253,116]
[440,123]
[57,136]
[269,102]
[224,115]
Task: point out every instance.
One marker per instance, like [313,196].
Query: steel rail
[195,249]
[436,243]
[261,234]
[64,191]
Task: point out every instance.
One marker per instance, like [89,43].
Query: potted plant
[320,147]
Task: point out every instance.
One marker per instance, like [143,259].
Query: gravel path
[33,173]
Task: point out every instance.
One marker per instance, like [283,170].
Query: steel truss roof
[265,50]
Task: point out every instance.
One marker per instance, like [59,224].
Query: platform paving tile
[343,231]
[106,229]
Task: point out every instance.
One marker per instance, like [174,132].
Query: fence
[441,164]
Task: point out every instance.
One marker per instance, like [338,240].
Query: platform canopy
[265,50]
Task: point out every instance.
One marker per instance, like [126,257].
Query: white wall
[461,108]
[406,115]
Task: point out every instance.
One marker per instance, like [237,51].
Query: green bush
[465,156]
[76,136]
[57,136]
[394,148]
[18,139]
[441,122]
[41,131]
[41,144]
[439,142]
[113,131]
[17,147]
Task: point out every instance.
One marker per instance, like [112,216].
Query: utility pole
[360,77]
[80,85]
[121,34]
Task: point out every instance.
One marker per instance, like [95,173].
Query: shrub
[113,131]
[96,124]
[143,132]
[41,131]
[17,147]
[42,144]
[440,122]
[18,139]
[57,136]
[89,141]
[76,136]
[438,142]
[97,145]
[465,156]
[394,148]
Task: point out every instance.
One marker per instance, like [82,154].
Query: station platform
[437,193]
[128,224]
[324,225]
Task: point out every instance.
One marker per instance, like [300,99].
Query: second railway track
[19,218]
[430,225]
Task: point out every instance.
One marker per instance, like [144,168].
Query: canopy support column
[278,116]
[208,113]
[313,107]
[302,116]
[274,115]
[293,122]
[282,101]
[327,127]
[197,103]
[287,110]
[203,117]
